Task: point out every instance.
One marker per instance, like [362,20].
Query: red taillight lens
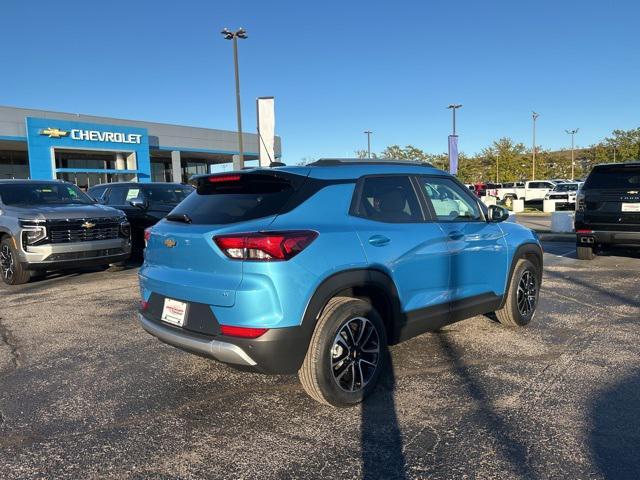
[265,246]
[143,305]
[584,231]
[224,178]
[242,332]
[147,235]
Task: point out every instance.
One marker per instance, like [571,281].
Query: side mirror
[498,213]
[138,203]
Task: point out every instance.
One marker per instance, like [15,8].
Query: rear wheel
[522,295]
[345,355]
[585,253]
[11,270]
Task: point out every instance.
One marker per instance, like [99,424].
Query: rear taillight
[265,246]
[143,305]
[242,332]
[580,202]
[147,236]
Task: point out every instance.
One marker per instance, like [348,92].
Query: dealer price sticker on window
[631,207]
[174,312]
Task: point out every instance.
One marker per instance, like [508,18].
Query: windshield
[566,187]
[168,194]
[29,193]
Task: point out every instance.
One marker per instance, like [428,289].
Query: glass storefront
[14,164]
[161,170]
[93,160]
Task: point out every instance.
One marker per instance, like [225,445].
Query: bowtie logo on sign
[53,132]
[93,135]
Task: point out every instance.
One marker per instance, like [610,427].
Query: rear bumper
[222,351]
[596,237]
[278,351]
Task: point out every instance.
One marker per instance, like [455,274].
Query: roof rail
[332,162]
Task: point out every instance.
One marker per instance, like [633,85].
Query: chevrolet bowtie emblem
[53,132]
[170,243]
[632,192]
[88,225]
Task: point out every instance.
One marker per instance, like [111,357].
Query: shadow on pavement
[615,431]
[485,417]
[382,450]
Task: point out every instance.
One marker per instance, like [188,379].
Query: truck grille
[82,230]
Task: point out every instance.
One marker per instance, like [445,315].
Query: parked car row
[53,225]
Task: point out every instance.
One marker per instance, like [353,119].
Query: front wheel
[346,353]
[11,270]
[522,295]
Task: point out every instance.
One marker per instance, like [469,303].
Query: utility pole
[573,163]
[368,133]
[534,116]
[228,35]
[454,107]
[497,164]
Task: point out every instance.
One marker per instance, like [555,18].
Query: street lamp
[573,134]
[228,35]
[368,133]
[534,116]
[454,107]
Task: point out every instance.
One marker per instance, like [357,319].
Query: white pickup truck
[534,190]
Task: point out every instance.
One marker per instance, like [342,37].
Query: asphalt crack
[8,339]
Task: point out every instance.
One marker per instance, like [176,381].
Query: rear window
[225,199]
[616,177]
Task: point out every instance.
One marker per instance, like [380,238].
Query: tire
[11,270]
[334,372]
[520,306]
[585,253]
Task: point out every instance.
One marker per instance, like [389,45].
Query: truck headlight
[125,228]
[33,235]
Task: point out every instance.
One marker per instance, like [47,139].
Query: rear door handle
[379,240]
[455,235]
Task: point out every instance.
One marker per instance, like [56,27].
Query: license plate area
[631,207]
[174,312]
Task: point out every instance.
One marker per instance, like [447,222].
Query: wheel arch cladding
[371,285]
[530,251]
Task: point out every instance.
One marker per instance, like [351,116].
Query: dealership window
[14,164]
[161,170]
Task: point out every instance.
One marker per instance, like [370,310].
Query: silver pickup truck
[53,225]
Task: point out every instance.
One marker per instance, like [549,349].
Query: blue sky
[336,68]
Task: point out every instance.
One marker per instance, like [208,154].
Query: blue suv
[317,269]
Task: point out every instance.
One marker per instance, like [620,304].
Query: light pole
[497,164]
[534,116]
[573,134]
[368,133]
[454,107]
[228,35]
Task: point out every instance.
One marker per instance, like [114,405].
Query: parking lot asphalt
[86,393]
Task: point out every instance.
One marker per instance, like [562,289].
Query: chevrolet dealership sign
[93,135]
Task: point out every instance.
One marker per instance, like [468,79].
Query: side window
[389,199]
[450,203]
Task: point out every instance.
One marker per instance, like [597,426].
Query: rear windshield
[240,198]
[28,193]
[617,177]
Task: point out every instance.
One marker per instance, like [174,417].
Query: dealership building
[89,150]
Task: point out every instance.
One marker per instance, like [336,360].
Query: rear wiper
[179,217]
